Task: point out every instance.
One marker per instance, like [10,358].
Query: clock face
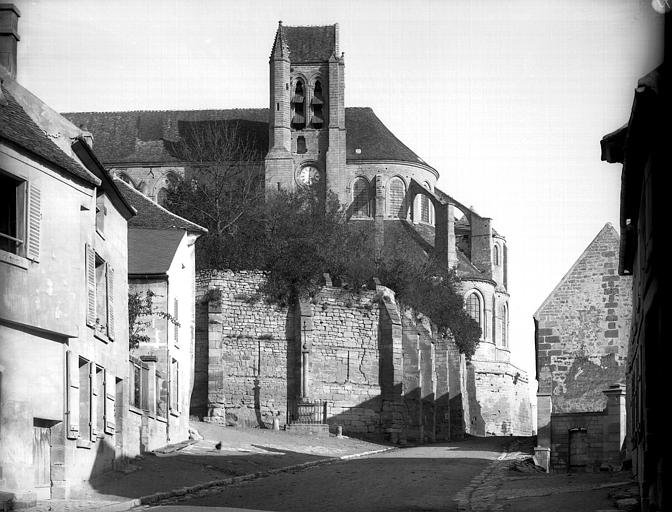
[309,176]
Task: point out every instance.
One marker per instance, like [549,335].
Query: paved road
[422,478]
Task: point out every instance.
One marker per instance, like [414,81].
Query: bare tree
[223,186]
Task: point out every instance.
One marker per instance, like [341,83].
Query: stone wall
[499,401]
[378,373]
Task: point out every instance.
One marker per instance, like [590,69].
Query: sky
[507,99]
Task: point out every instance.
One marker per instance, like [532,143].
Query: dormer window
[316,105]
[299,107]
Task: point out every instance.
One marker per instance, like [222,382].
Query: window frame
[481,309]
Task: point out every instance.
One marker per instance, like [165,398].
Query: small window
[496,254]
[504,315]
[301,145]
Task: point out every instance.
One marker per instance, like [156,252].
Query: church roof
[309,44]
[148,137]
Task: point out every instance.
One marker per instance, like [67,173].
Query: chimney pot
[9,36]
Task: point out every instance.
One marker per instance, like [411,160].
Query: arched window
[504,314]
[316,104]
[298,106]
[396,194]
[426,207]
[495,254]
[474,308]
[361,203]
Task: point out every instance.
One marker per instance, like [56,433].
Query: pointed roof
[152,215]
[607,236]
[308,44]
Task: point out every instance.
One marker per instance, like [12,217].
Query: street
[421,478]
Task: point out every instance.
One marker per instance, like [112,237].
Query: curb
[153,499]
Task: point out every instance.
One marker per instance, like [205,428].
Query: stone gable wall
[582,330]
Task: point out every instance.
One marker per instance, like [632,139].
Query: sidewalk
[196,466]
[514,484]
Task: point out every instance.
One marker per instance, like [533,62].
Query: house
[581,344]
[643,149]
[63,295]
[307,138]
[161,262]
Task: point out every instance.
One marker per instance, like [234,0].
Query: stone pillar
[216,398]
[542,452]
[615,424]
[305,337]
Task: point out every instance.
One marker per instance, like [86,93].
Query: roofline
[82,150]
[48,163]
[405,162]
[571,269]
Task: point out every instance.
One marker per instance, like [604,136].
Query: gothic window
[496,254]
[504,315]
[474,308]
[298,106]
[316,104]
[361,201]
[395,198]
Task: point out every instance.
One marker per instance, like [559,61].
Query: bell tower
[307,112]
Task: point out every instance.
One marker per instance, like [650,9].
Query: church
[307,137]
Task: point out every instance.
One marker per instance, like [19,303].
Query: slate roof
[17,127]
[152,215]
[151,251]
[150,136]
[309,44]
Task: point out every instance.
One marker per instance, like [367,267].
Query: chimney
[9,37]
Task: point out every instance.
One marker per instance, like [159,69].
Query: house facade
[161,263]
[642,147]
[63,317]
[581,343]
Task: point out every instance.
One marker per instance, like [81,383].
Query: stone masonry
[380,372]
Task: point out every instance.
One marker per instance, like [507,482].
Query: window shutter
[72,398]
[110,301]
[109,403]
[90,264]
[93,402]
[34,221]
[176,327]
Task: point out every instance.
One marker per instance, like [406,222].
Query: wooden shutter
[34,221]
[110,302]
[109,385]
[72,394]
[93,402]
[90,264]
[176,325]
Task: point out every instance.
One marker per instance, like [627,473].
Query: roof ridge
[157,205]
[162,111]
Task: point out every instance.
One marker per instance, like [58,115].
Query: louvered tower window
[299,107]
[317,104]
[361,203]
[395,198]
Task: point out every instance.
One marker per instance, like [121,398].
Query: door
[578,449]
[42,461]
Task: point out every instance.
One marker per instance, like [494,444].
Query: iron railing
[306,412]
